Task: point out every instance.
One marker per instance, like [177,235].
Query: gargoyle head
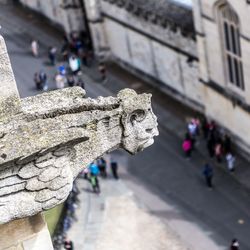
[138,120]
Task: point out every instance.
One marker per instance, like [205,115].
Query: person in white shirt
[34,48]
[74,64]
[230,162]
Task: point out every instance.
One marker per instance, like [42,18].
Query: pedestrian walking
[235,245]
[68,244]
[86,173]
[71,81]
[227,143]
[218,151]
[197,123]
[78,46]
[212,127]
[187,146]
[205,127]
[211,144]
[43,80]
[95,184]
[37,81]
[102,167]
[52,55]
[208,174]
[80,83]
[65,48]
[230,161]
[114,168]
[60,81]
[102,71]
[84,56]
[34,48]
[74,64]
[94,172]
[192,128]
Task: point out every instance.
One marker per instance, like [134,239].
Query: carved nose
[155,131]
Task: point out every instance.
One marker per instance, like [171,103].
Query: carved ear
[134,108]
[137,116]
[131,119]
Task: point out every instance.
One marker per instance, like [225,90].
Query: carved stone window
[230,27]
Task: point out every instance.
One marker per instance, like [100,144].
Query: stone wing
[27,189]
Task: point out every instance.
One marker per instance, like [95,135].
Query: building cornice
[210,19]
[159,18]
[192,57]
[245,38]
[235,98]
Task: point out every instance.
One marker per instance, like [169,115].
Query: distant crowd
[95,170]
[75,51]
[218,142]
[99,168]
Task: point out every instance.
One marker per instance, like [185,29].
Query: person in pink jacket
[187,146]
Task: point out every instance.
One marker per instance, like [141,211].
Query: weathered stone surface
[16,232]
[9,97]
[40,241]
[55,135]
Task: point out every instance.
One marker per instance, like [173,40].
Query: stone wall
[25,234]
[229,106]
[63,13]
[152,50]
[208,28]
[149,48]
[9,98]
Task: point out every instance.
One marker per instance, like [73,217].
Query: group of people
[74,53]
[218,143]
[218,146]
[68,216]
[99,168]
[69,75]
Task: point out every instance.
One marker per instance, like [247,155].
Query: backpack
[186,145]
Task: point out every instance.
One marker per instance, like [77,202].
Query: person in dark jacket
[114,168]
[102,167]
[208,174]
[235,245]
[68,244]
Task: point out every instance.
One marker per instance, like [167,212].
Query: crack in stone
[2,134]
[76,110]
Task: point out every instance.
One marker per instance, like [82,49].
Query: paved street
[170,187]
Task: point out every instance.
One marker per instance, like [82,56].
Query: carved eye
[138,115]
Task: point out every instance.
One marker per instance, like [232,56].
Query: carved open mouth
[146,143]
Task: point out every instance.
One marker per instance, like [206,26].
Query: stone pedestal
[26,234]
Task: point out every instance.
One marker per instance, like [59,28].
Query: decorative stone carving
[165,13]
[57,134]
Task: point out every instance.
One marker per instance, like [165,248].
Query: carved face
[139,121]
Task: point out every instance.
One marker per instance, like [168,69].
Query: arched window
[232,49]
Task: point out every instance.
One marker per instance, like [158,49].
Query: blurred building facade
[223,42]
[195,55]
[155,39]
[68,14]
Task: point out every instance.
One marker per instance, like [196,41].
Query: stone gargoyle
[57,134]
